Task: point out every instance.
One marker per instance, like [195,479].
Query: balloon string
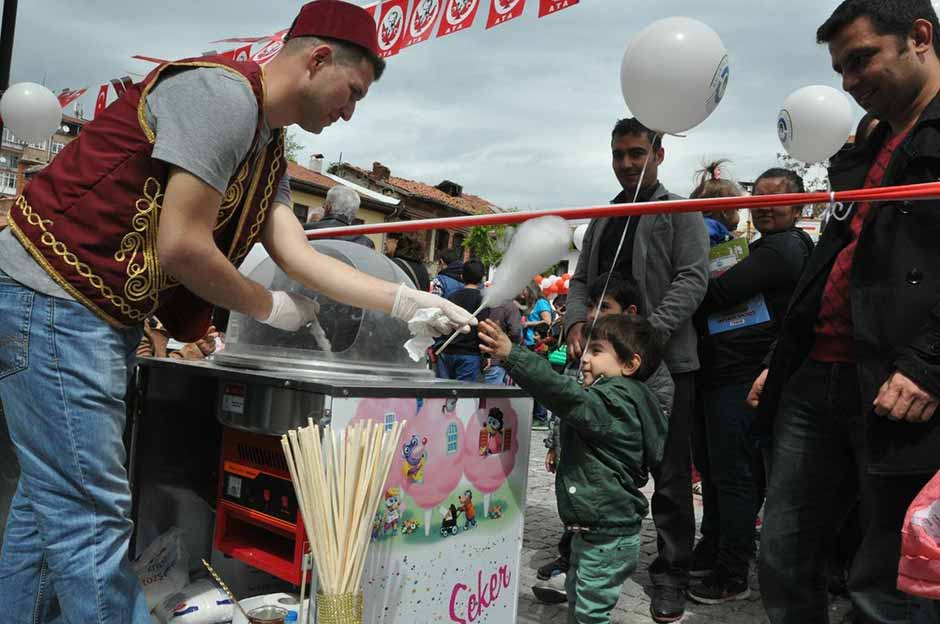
[610,273]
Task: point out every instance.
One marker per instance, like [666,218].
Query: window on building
[389,421]
[7,182]
[9,161]
[441,240]
[300,211]
[8,136]
[458,241]
[41,146]
[57,146]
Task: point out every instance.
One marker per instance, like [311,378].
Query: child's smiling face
[601,360]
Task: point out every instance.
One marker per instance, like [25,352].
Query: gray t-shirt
[204,120]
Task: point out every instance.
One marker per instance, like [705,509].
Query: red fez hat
[335,19]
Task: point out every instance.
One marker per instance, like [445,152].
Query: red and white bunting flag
[102,100]
[67,96]
[547,7]
[241,54]
[424,15]
[271,47]
[393,24]
[501,11]
[122,84]
[458,15]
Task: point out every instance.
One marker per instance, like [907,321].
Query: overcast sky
[520,114]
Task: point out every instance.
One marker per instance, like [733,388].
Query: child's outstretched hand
[493,340]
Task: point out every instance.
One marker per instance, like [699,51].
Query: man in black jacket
[854,379]
[339,210]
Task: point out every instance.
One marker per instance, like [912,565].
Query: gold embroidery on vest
[138,249]
[233,197]
[255,228]
[59,249]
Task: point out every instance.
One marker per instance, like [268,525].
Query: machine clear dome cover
[361,342]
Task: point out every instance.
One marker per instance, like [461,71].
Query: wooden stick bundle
[339,482]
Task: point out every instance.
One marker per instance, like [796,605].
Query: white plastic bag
[163,567]
[200,603]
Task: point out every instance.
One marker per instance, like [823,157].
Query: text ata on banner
[547,7]
[501,11]
[424,15]
[102,100]
[458,15]
[392,27]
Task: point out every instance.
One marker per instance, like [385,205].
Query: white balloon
[674,74]
[579,235]
[815,123]
[31,112]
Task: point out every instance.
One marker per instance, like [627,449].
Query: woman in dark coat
[409,256]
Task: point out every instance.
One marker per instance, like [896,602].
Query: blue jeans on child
[495,375]
[63,376]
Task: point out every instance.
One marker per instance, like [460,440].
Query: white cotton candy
[536,245]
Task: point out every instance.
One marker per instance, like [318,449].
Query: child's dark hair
[631,335]
[625,291]
[473,271]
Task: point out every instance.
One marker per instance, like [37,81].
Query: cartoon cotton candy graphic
[386,412]
[428,463]
[490,447]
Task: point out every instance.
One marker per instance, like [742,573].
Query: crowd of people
[802,379]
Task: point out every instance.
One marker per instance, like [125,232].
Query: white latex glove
[290,311]
[408,301]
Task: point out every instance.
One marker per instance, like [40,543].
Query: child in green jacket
[612,431]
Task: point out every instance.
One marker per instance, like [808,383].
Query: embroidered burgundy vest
[91,217]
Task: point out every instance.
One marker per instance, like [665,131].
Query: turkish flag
[393,26]
[547,7]
[458,15]
[67,96]
[424,15]
[102,100]
[502,11]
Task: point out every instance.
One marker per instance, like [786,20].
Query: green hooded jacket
[612,433]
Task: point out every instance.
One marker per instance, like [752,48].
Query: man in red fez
[147,214]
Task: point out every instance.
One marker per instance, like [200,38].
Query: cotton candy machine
[361,342]
[462,465]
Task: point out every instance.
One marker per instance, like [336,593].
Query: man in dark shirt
[854,379]
[462,360]
[339,210]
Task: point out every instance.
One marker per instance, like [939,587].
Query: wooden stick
[454,335]
[228,592]
[303,589]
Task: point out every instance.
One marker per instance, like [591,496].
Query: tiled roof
[298,172]
[466,203]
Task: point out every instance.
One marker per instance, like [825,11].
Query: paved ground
[542,530]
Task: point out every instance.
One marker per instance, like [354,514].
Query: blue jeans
[63,376]
[495,375]
[730,499]
[819,439]
[460,367]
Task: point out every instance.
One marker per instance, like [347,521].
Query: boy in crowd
[612,430]
[622,297]
[462,360]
